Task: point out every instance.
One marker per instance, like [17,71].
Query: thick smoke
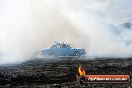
[103,27]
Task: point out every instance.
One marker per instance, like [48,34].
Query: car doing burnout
[62,50]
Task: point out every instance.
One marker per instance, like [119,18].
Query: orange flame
[81,71]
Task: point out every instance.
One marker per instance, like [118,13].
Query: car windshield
[53,46]
[61,46]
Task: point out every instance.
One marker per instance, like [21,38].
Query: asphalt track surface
[61,73]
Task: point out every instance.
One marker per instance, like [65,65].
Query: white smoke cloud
[28,26]
[99,21]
